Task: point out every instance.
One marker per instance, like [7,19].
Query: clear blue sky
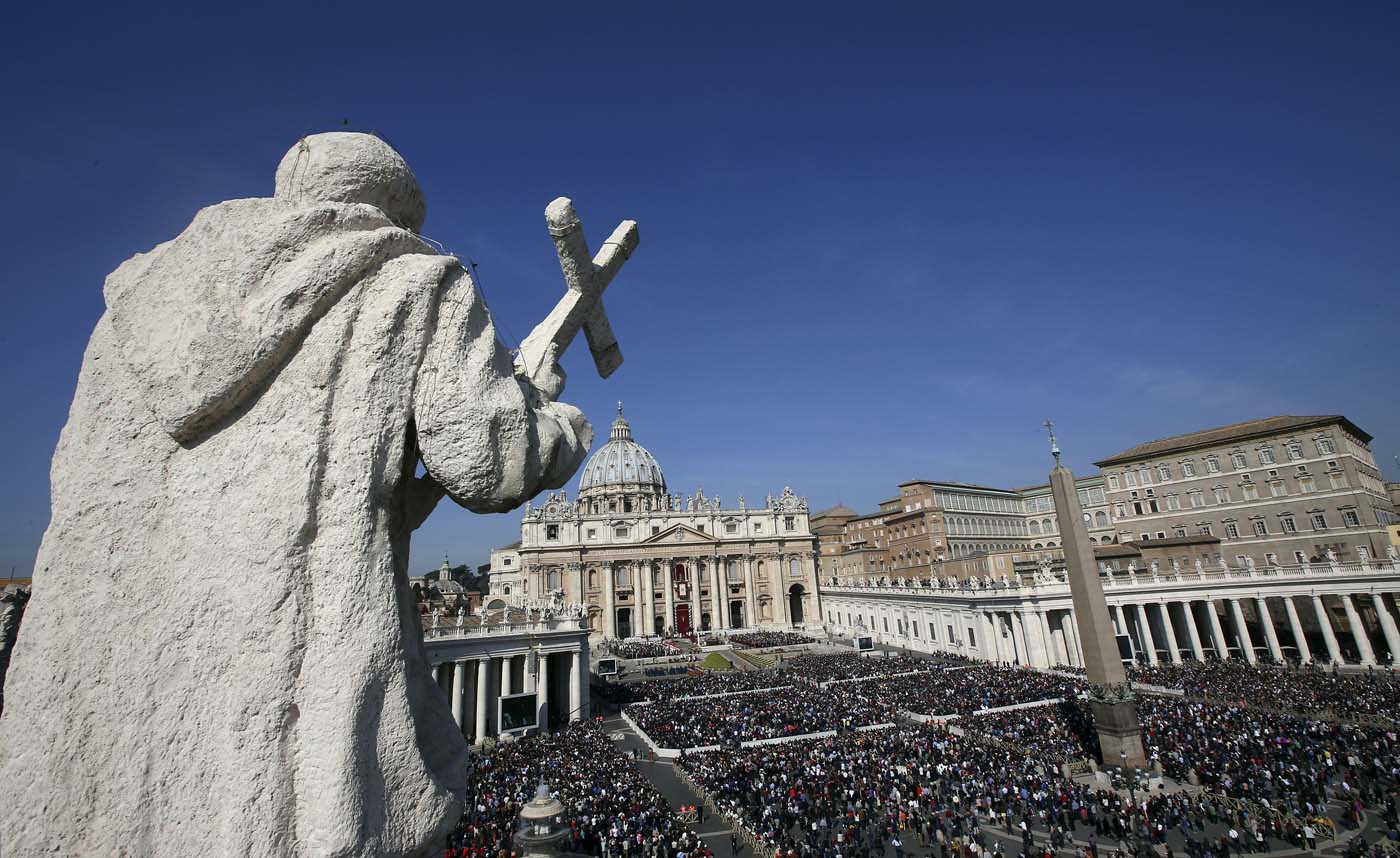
[878,242]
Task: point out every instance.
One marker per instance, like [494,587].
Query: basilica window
[621,532]
[732,571]
[626,504]
[795,571]
[551,531]
[555,579]
[592,579]
[731,527]
[622,578]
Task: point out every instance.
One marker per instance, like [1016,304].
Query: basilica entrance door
[683,619]
[624,622]
[736,615]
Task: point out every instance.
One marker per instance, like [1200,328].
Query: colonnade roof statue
[261,389]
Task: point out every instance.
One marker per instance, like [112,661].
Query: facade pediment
[680,534]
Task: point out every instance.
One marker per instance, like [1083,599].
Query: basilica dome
[622,465]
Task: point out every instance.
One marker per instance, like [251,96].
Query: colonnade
[1335,627]
[474,685]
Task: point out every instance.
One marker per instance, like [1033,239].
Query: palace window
[1164,472]
[1173,502]
[1237,459]
[1231,531]
[1179,531]
[1306,484]
[1325,447]
[1130,478]
[1261,528]
[1206,530]
[1113,482]
[1188,469]
[1295,450]
[1289,525]
[1319,521]
[1222,495]
[1196,499]
[1277,489]
[1266,455]
[1251,491]
[1350,518]
[1212,464]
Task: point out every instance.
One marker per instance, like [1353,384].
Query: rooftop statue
[257,395]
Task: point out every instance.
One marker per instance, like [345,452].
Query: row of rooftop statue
[265,385]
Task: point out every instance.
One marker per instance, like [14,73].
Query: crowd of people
[757,640]
[641,649]
[1309,689]
[852,793]
[610,807]
[767,714]
[969,687]
[828,668]
[1053,734]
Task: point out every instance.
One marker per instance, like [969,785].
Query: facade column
[647,599]
[719,593]
[577,681]
[483,685]
[1145,623]
[609,602]
[1165,609]
[780,610]
[1192,633]
[507,675]
[750,596]
[693,573]
[1217,633]
[1300,640]
[668,598]
[1324,619]
[1018,636]
[1242,632]
[459,681]
[1358,631]
[1266,620]
[1392,635]
[542,692]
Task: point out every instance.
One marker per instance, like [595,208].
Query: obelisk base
[1120,733]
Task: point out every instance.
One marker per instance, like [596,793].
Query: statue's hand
[550,378]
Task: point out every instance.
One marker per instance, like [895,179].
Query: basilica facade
[644,561]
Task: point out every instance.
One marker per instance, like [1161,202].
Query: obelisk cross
[582,305]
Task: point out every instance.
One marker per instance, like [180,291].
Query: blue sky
[879,242]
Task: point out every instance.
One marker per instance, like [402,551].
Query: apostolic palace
[645,561]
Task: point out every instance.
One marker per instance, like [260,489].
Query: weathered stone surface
[221,654]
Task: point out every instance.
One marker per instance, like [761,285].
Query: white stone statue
[1249,563]
[262,387]
[1331,556]
[1391,555]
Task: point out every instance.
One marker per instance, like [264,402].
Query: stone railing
[454,627]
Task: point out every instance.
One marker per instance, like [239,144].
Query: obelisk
[1110,698]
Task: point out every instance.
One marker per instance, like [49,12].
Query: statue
[265,384]
[1200,569]
[1331,557]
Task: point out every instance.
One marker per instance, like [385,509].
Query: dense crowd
[609,806]
[978,685]
[825,668]
[1309,689]
[721,682]
[1052,734]
[755,640]
[640,649]
[1284,759]
[767,714]
[851,794]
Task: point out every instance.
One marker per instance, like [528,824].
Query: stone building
[1280,490]
[648,562]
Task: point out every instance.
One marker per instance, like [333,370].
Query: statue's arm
[488,437]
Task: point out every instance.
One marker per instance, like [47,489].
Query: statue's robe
[222,654]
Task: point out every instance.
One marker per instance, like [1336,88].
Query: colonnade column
[1145,623]
[1071,643]
[507,676]
[1188,609]
[542,692]
[609,602]
[1266,620]
[1300,640]
[1043,619]
[1242,632]
[1325,621]
[483,685]
[459,681]
[1119,620]
[750,597]
[1358,631]
[1165,608]
[668,597]
[1217,633]
[1388,628]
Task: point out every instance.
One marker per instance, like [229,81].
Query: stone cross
[582,305]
